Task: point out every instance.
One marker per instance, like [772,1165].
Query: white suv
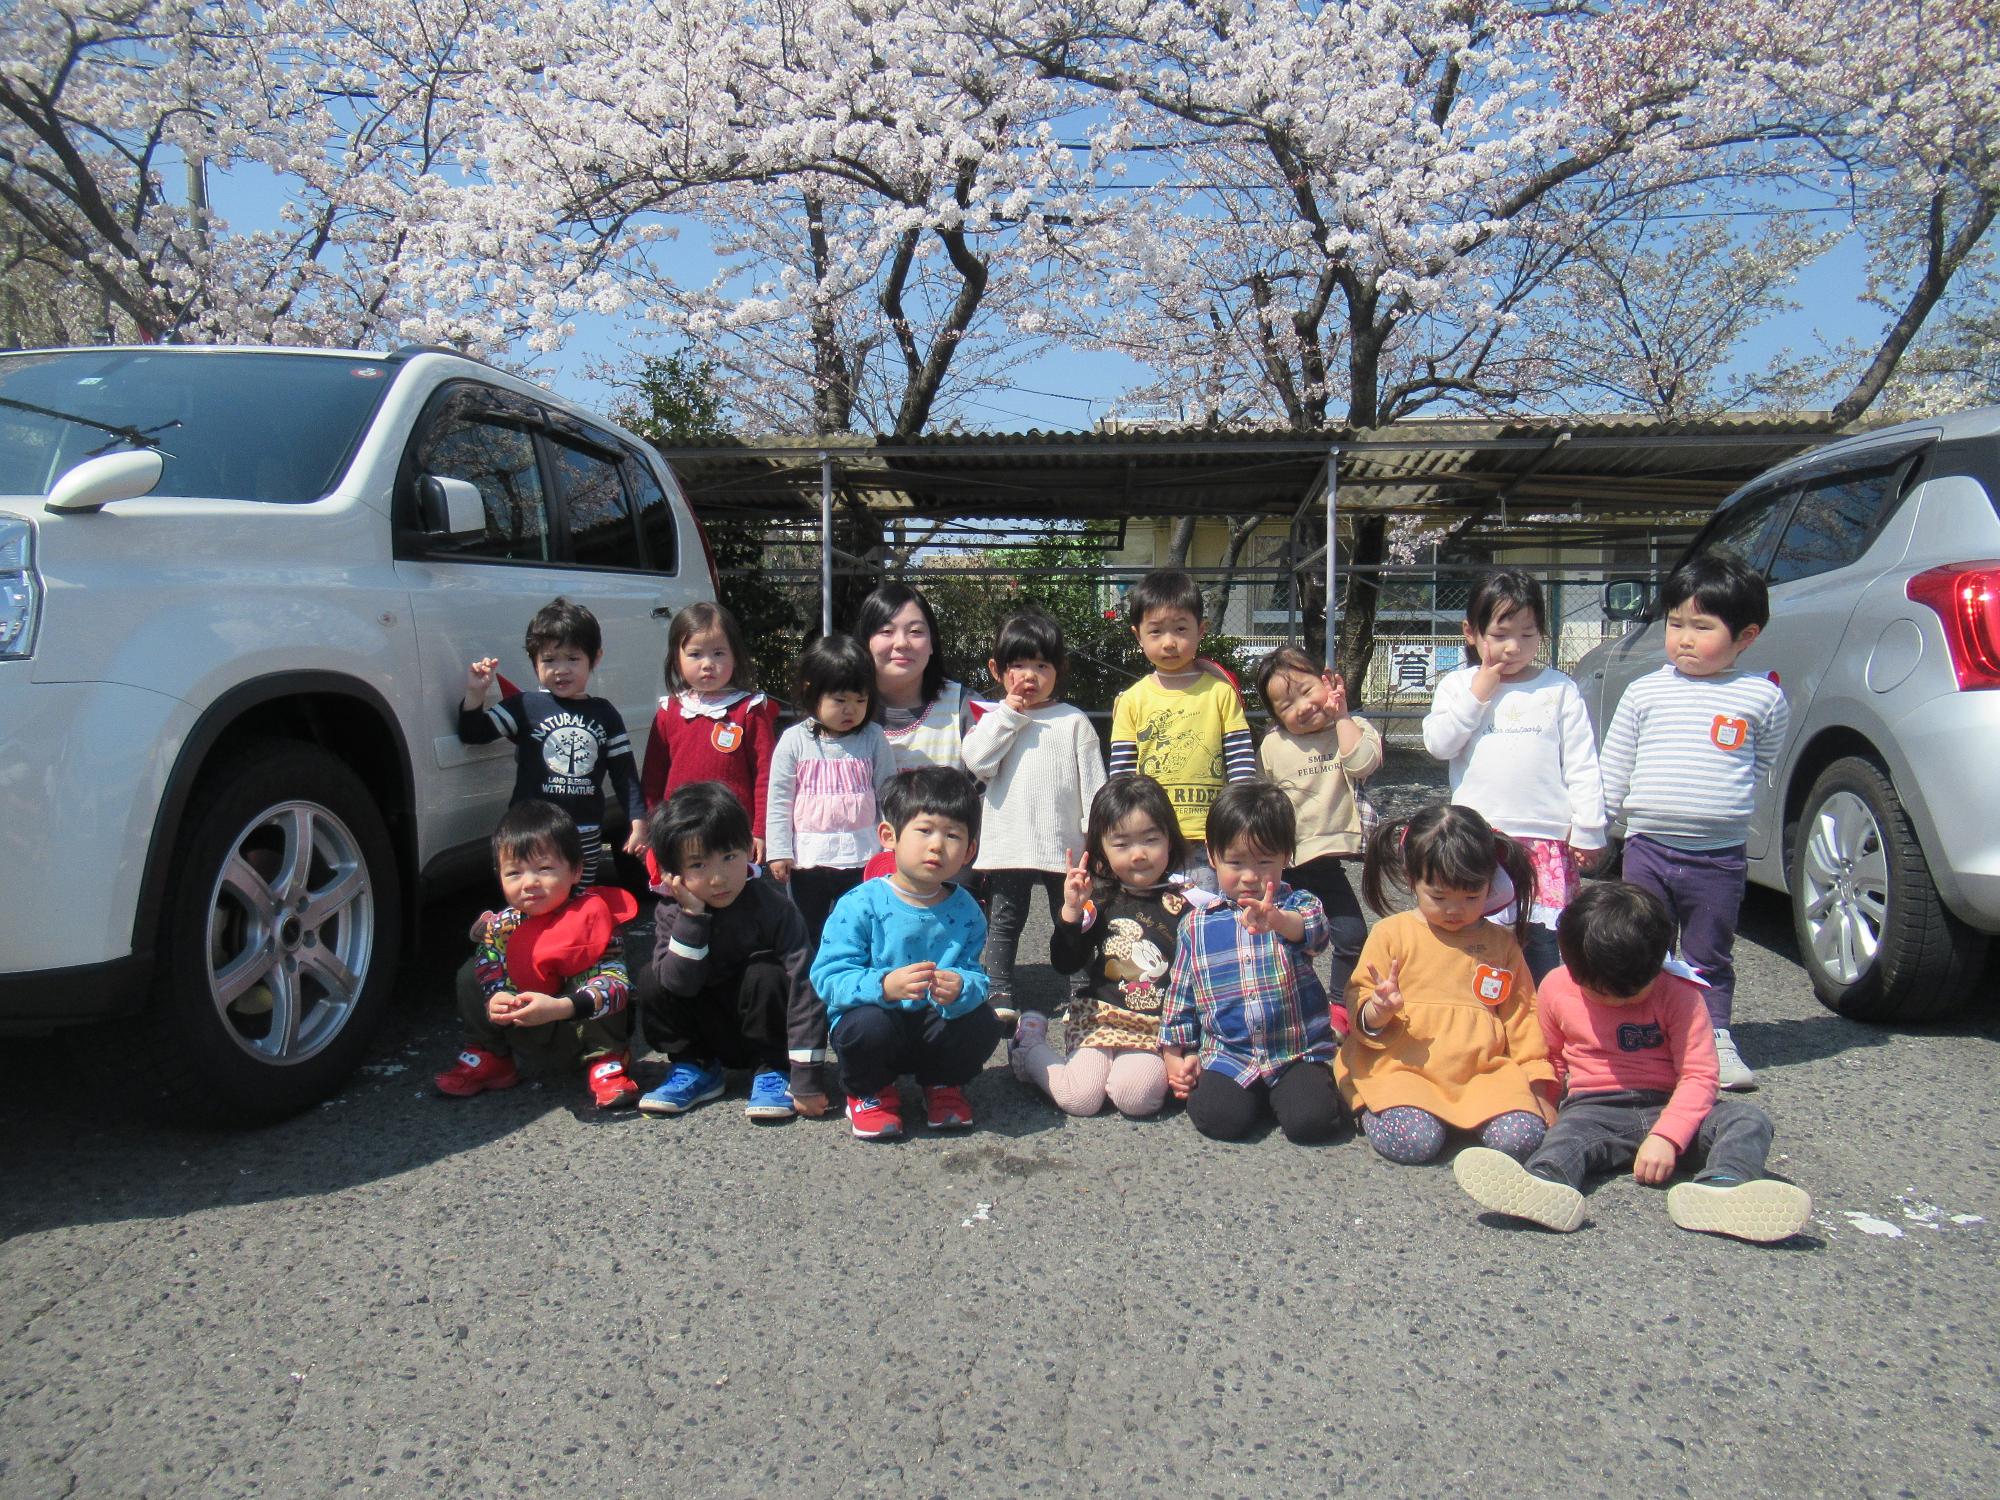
[238,592]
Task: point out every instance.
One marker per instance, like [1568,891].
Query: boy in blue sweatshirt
[899,962]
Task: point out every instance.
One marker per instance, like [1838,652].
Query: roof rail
[411,351]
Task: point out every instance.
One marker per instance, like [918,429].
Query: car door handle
[664,611]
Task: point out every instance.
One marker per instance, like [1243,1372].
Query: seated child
[1118,922]
[899,967]
[1243,991]
[1320,753]
[1443,1003]
[728,985]
[547,979]
[1638,1053]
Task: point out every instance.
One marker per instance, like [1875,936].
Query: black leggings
[1302,1097]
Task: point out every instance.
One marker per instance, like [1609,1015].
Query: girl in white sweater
[1041,762]
[1519,742]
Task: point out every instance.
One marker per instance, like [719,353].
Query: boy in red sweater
[1634,1046]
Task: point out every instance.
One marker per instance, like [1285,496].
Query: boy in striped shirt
[1182,724]
[1682,761]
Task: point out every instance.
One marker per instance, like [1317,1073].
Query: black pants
[878,1045]
[1302,1097]
[1603,1132]
[1009,895]
[739,1021]
[815,891]
[1326,878]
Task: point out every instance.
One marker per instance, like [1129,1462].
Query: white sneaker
[1496,1181]
[1032,1030]
[1732,1072]
[1763,1211]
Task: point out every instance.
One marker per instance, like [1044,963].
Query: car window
[475,436]
[657,518]
[1835,518]
[593,498]
[1745,528]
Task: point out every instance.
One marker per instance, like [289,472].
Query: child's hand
[1654,1162]
[1381,1007]
[1336,701]
[1183,1068]
[812,1106]
[1257,914]
[911,982]
[686,899]
[1076,887]
[532,1009]
[946,986]
[500,1008]
[756,851]
[635,841]
[477,676]
[780,870]
[1486,682]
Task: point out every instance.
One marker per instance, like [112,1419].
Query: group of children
[858,886]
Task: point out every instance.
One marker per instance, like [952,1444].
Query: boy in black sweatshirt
[728,986]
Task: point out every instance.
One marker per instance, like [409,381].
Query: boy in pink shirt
[1635,1049]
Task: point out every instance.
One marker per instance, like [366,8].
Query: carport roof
[1595,473]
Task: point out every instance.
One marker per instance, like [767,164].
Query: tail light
[1966,597]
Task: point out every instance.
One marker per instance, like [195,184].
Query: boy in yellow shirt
[1183,723]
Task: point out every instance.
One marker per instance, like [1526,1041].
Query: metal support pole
[1332,515]
[826,544]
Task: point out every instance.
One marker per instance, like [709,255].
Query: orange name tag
[725,736]
[1728,733]
[1492,985]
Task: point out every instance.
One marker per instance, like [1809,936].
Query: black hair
[1031,635]
[1447,846]
[941,791]
[527,828]
[702,814]
[882,606]
[1257,810]
[691,622]
[561,623]
[1284,659]
[1116,801]
[1723,585]
[1614,937]
[1504,591]
[835,664]
[1166,589]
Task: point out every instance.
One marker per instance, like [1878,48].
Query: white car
[239,589]
[1882,816]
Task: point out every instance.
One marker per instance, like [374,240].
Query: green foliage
[676,403]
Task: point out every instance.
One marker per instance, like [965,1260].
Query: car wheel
[282,923]
[1875,939]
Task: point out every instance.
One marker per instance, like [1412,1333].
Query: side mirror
[1625,598]
[450,507]
[96,482]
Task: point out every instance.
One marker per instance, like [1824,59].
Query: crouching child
[729,986]
[547,982]
[1635,1047]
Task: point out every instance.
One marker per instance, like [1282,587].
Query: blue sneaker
[687,1085]
[770,1097]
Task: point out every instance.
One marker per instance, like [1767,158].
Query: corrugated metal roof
[1448,467]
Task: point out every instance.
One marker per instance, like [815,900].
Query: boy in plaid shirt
[1247,1022]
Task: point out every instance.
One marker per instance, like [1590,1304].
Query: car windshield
[232,425]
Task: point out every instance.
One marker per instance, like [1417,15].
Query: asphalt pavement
[398,1294]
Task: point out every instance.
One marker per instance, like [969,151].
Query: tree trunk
[1356,642]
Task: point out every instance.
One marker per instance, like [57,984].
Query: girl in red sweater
[713,725]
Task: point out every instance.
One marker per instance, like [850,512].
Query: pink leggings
[1134,1081]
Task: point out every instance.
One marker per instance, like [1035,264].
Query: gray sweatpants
[1603,1132]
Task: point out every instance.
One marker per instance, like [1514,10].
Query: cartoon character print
[1135,961]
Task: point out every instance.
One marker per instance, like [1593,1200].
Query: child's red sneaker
[945,1108]
[611,1086]
[878,1117]
[477,1071]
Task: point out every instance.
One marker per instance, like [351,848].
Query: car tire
[279,940]
[1873,934]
